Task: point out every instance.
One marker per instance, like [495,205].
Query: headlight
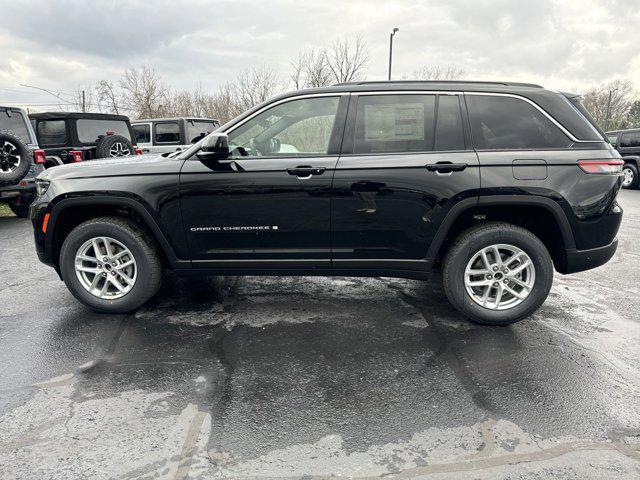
[42,186]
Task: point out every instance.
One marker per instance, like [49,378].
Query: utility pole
[391,49]
[84,106]
[609,108]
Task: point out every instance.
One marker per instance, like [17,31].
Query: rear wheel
[111,264]
[630,178]
[497,273]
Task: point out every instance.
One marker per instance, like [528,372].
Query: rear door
[166,136]
[142,134]
[406,161]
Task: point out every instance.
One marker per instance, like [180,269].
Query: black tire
[137,240]
[472,241]
[19,210]
[632,170]
[109,145]
[15,159]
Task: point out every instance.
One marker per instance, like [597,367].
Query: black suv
[496,183]
[74,137]
[627,142]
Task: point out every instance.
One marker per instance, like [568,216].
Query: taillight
[76,154]
[138,151]
[109,134]
[39,156]
[601,167]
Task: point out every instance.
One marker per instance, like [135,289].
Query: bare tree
[108,98]
[438,72]
[255,85]
[347,60]
[311,69]
[144,93]
[610,103]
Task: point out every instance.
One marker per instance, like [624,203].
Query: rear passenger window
[631,139]
[507,123]
[167,132]
[407,123]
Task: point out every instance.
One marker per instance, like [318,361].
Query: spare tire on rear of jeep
[114,146]
[15,159]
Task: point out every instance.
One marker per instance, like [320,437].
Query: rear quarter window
[90,130]
[52,132]
[508,123]
[167,132]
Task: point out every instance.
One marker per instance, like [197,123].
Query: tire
[630,171]
[114,146]
[469,244]
[140,244]
[15,159]
[20,211]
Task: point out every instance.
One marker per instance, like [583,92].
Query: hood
[150,164]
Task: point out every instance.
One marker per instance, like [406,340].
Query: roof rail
[456,82]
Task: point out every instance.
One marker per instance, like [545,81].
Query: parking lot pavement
[313,377]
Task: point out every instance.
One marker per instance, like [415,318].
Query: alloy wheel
[9,157]
[119,149]
[106,268]
[627,177]
[499,277]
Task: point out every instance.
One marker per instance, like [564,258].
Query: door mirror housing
[214,147]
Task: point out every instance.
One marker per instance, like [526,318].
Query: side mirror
[214,147]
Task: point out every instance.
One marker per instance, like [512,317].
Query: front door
[406,161]
[268,205]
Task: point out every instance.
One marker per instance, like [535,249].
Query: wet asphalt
[263,377]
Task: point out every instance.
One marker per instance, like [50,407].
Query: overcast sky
[562,44]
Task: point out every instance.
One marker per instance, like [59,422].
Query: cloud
[562,44]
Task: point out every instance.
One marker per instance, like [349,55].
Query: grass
[5,211]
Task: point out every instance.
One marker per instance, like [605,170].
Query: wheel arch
[541,215]
[635,159]
[71,212]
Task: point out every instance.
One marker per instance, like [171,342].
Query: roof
[436,82]
[173,119]
[65,115]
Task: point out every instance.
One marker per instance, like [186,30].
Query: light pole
[391,49]
[609,107]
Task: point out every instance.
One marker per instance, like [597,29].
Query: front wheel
[630,177]
[497,273]
[111,264]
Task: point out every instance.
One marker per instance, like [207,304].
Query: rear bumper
[579,260]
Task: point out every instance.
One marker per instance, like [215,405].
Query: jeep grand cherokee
[497,183]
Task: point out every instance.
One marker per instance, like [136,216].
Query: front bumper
[579,260]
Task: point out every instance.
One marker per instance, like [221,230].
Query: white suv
[161,135]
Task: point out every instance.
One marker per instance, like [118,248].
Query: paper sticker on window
[394,122]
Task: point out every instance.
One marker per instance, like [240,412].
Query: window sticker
[394,122]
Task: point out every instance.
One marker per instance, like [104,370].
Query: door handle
[305,172]
[446,167]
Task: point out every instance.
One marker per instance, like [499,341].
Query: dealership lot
[293,377]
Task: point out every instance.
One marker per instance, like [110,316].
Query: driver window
[299,127]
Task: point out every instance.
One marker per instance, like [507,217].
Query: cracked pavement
[263,377]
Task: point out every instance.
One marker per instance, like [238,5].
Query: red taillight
[138,151]
[602,167]
[76,155]
[110,133]
[23,183]
[45,222]
[39,156]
